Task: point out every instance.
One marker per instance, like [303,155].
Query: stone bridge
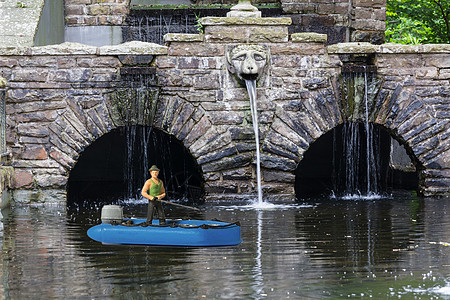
[61,99]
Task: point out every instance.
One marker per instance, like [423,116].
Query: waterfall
[136,109]
[251,89]
[360,148]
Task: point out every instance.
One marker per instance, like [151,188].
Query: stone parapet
[129,48]
[368,48]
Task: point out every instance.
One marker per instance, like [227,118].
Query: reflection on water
[323,248]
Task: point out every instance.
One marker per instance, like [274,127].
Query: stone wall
[96,12]
[341,20]
[57,106]
[58,103]
[299,102]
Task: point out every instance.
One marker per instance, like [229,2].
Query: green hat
[153,168]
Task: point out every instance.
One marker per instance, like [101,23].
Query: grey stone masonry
[96,12]
[58,103]
[342,20]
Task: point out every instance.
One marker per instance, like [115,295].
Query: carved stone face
[247,61]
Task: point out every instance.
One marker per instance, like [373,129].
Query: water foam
[260,206]
[436,290]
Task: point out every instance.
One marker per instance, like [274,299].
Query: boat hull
[182,233]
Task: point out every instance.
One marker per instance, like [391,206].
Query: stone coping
[308,37]
[228,21]
[183,37]
[67,48]
[18,24]
[367,48]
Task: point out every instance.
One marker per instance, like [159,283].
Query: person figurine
[153,190]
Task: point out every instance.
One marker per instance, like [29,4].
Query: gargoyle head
[247,61]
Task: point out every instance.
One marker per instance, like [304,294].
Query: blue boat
[180,233]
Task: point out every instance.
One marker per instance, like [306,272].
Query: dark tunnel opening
[330,168]
[116,166]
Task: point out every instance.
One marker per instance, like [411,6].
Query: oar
[181,205]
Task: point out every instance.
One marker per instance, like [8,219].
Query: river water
[392,248]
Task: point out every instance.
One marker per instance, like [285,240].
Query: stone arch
[410,114]
[79,127]
[298,124]
[415,117]
[81,123]
[191,125]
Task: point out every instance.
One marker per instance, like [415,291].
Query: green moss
[134,106]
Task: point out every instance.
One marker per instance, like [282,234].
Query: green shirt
[155,189]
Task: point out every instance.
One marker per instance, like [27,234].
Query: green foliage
[418,21]
[20,4]
[198,25]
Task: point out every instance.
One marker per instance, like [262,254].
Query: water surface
[388,248]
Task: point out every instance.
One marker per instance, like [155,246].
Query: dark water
[396,248]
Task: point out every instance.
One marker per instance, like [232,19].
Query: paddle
[181,205]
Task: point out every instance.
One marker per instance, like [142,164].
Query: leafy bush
[418,21]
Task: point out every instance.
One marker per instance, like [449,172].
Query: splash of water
[251,89]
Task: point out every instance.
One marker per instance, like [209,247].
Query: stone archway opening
[325,167]
[116,166]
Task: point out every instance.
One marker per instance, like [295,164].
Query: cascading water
[251,89]
[360,148]
[137,106]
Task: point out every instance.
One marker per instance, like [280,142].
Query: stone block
[50,181]
[277,176]
[426,73]
[238,174]
[33,129]
[70,75]
[34,153]
[183,116]
[217,155]
[183,37]
[30,74]
[197,131]
[441,61]
[188,63]
[74,2]
[164,62]
[247,34]
[97,9]
[133,48]
[196,49]
[62,158]
[444,74]
[23,178]
[227,163]
[225,34]
[267,34]
[278,163]
[370,24]
[76,9]
[279,140]
[299,8]
[207,81]
[369,3]
[226,117]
